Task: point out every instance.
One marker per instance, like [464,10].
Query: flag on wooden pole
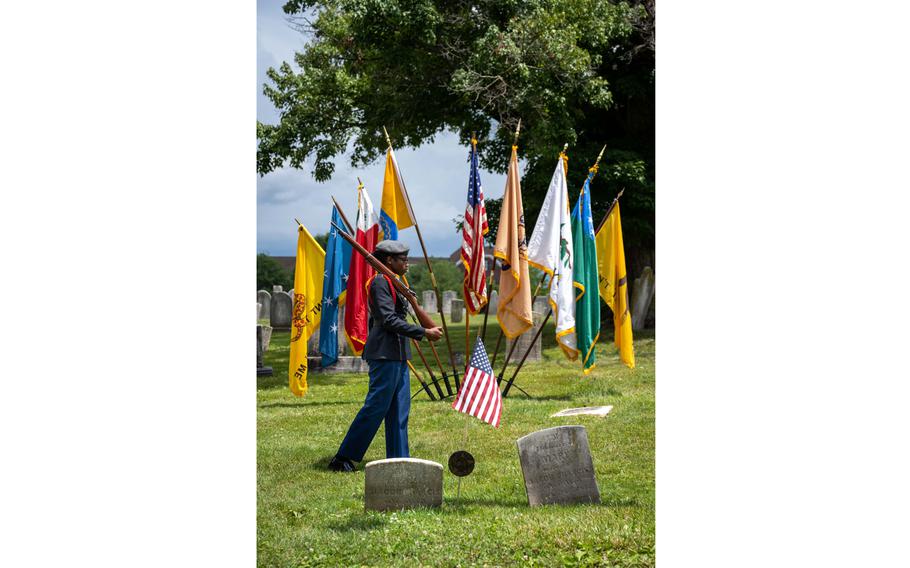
[614,285]
[334,293]
[479,395]
[551,250]
[395,209]
[360,273]
[472,231]
[587,304]
[514,310]
[308,277]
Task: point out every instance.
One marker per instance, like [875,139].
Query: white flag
[550,249]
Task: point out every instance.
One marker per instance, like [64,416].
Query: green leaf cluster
[574,71]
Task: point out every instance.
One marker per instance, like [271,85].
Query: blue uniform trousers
[389,399]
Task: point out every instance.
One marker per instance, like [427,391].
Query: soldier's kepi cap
[389,247]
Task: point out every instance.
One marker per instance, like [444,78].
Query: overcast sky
[436,174]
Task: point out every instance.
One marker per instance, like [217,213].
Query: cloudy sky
[436,174]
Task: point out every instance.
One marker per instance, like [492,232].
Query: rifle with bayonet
[410,295]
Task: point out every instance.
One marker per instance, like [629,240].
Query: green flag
[587,302]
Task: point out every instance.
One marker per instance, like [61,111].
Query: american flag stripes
[479,395]
[472,230]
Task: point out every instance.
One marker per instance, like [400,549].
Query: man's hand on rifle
[433,333]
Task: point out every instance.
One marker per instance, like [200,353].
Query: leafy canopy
[575,71]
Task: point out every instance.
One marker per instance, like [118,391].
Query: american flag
[473,229]
[479,395]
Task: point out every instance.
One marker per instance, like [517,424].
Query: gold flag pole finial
[359,183]
[387,139]
[601,155]
[517,131]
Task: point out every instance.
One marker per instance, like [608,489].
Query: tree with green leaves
[574,71]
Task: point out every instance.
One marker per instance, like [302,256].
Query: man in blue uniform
[387,352]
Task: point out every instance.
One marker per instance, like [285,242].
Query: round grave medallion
[461,463]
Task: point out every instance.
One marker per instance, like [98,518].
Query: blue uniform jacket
[389,330]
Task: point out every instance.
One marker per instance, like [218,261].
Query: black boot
[342,464]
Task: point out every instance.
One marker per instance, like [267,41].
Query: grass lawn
[309,516]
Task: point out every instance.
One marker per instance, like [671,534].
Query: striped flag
[479,395]
[473,230]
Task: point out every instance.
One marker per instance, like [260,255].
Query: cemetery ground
[309,516]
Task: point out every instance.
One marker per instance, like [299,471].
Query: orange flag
[514,311]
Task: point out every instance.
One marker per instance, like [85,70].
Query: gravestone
[447,297]
[277,288]
[402,483]
[592,410]
[541,305]
[312,344]
[345,364]
[282,306]
[261,370]
[429,301]
[494,301]
[291,292]
[258,309]
[642,294]
[265,299]
[266,337]
[557,467]
[457,310]
[524,341]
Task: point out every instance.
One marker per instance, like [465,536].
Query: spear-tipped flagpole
[426,258]
[610,210]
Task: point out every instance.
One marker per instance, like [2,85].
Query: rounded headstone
[402,483]
[557,467]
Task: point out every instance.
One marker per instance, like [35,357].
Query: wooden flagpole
[426,258]
[505,391]
[416,345]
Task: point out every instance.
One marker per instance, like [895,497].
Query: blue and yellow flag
[395,213]
[308,277]
[334,290]
[584,273]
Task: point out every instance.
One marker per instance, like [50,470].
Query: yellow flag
[614,285]
[308,278]
[514,311]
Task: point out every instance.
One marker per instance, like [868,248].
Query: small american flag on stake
[479,395]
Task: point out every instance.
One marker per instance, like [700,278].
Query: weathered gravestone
[282,306]
[557,466]
[261,370]
[312,344]
[494,301]
[429,301]
[277,288]
[592,410]
[447,297]
[258,309]
[402,483]
[457,310]
[540,305]
[524,342]
[642,294]
[266,337]
[265,299]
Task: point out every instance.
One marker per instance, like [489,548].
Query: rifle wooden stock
[422,317]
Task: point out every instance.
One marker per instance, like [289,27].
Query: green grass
[308,516]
